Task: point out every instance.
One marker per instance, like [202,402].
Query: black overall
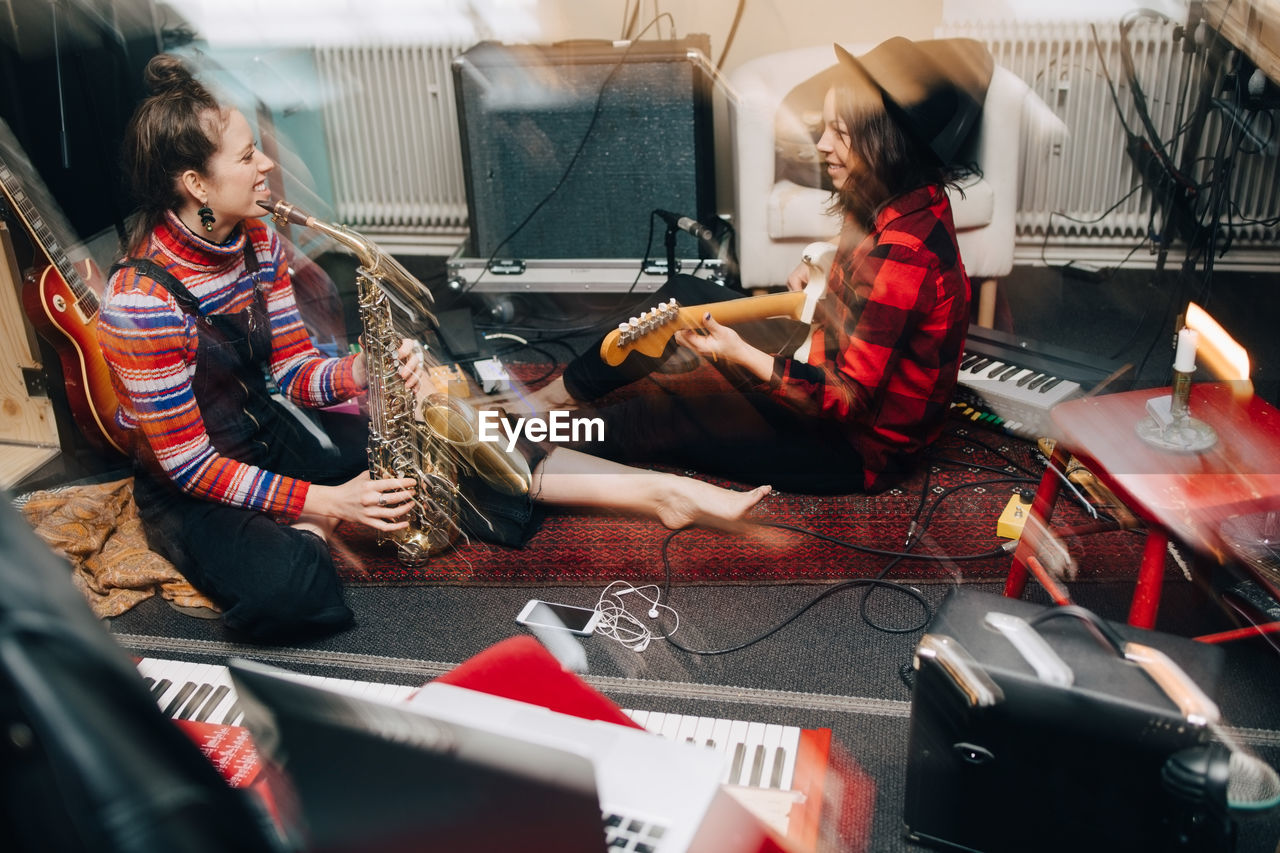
[272,580]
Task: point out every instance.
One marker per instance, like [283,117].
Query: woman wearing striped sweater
[229,485]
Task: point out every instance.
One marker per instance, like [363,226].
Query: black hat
[934,88]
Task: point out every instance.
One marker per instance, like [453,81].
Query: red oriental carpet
[590,548]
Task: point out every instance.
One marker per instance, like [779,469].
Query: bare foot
[688,501]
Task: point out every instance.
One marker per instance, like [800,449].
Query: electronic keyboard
[1013,382]
[762,755]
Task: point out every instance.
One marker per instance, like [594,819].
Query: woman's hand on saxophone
[413,369]
[380,504]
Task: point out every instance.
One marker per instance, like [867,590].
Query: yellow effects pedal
[1013,518]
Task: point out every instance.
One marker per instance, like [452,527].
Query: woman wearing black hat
[858,412]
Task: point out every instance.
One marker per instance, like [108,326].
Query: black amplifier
[1048,729]
[568,148]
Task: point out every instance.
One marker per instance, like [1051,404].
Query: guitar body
[70,325]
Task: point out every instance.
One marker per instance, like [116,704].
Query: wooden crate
[28,430]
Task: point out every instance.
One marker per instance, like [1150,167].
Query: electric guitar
[648,334]
[64,310]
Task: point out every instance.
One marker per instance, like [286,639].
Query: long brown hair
[174,129]
[896,161]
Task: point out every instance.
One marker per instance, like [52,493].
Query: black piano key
[150,682]
[1031,374]
[193,704]
[232,712]
[996,367]
[160,687]
[1050,384]
[735,769]
[1038,381]
[1010,372]
[981,363]
[757,766]
[177,701]
[968,361]
[215,699]
[779,762]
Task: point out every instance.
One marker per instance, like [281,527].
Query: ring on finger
[382,500]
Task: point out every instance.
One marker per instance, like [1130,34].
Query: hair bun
[166,73]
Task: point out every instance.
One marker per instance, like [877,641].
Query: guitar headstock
[647,334]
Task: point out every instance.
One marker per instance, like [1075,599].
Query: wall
[766,25]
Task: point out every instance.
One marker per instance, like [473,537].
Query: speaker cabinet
[1004,759]
[568,148]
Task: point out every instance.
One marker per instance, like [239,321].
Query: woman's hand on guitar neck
[720,344]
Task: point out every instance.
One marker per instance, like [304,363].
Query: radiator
[392,130]
[1089,179]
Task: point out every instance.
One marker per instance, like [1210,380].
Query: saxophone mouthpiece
[282,212]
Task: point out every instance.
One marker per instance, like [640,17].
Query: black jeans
[273,581]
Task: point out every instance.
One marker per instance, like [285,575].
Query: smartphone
[544,614]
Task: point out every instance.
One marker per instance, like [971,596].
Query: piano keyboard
[1013,383]
[761,755]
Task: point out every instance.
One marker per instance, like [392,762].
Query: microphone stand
[671,251]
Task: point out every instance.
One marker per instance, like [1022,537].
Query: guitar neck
[43,237]
[736,311]
[649,333]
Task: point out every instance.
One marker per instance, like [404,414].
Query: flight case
[1035,734]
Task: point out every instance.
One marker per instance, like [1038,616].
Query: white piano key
[655,722]
[688,727]
[671,726]
[721,734]
[702,735]
[637,717]
[397,692]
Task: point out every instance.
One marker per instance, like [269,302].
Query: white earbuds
[621,625]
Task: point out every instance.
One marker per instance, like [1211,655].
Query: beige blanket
[97,529]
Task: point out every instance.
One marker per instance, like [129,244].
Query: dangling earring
[206,217]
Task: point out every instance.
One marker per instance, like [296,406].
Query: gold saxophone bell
[454,423]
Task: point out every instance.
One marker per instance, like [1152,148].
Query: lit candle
[1185,359]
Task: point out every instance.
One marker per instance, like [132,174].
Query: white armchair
[776,219]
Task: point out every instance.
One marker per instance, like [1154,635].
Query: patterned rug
[574,547]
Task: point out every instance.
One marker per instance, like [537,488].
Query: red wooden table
[1184,496]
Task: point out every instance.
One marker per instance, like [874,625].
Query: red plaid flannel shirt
[890,334]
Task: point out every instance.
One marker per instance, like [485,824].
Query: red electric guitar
[63,307]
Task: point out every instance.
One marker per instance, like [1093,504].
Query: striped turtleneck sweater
[150,346]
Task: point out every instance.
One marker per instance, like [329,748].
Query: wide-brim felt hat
[934,89]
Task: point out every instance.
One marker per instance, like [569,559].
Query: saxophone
[434,449]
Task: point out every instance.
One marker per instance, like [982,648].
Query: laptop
[458,770]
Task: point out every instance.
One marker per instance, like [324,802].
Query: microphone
[688,225]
